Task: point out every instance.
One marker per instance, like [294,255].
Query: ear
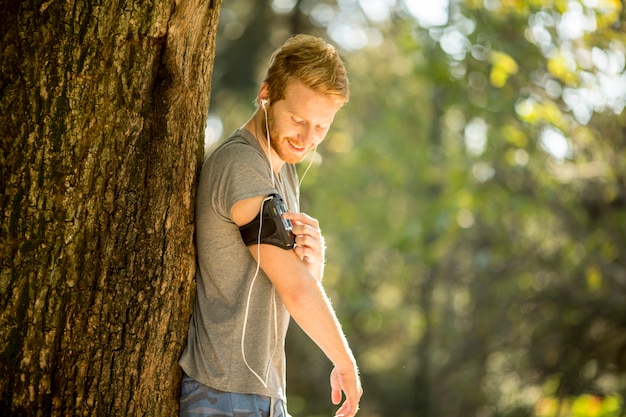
[264,93]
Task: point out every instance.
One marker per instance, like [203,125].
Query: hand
[350,384]
[310,246]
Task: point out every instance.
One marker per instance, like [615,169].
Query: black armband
[269,226]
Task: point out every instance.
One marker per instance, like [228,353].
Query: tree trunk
[102,110]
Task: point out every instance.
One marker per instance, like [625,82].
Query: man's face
[300,121]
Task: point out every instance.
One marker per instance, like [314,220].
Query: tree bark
[102,110]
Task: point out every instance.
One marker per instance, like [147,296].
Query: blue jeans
[198,400]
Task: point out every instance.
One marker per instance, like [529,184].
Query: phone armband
[269,226]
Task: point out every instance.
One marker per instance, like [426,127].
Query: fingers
[349,408]
[309,240]
[346,410]
[350,385]
[302,219]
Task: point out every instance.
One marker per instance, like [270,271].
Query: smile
[296,147]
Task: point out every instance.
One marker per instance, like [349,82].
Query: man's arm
[296,277]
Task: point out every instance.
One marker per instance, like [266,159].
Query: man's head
[305,86]
[313,62]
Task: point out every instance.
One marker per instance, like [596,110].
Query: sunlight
[283,6]
[553,142]
[574,22]
[213,131]
[476,136]
[377,11]
[350,37]
[429,13]
[593,79]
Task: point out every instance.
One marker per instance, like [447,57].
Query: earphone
[264,102]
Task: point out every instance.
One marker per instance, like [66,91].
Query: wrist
[346,365]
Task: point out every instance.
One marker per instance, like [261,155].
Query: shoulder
[237,157]
[236,170]
[235,147]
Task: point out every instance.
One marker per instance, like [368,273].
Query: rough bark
[102,109]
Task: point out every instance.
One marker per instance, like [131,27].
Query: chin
[290,157]
[293,160]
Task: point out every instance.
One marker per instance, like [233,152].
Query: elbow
[298,297]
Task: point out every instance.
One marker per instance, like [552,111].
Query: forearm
[312,311]
[307,302]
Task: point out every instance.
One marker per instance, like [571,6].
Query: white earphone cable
[308,166]
[258,266]
[269,147]
[274,308]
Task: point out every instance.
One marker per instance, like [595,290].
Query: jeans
[198,400]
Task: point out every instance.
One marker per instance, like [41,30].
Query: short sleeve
[237,171]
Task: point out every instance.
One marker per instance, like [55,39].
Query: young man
[234,362]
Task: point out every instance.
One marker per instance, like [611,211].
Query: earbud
[264,102]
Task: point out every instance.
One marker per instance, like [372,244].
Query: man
[234,362]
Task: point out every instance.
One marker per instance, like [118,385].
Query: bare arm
[296,275]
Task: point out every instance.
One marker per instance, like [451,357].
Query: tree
[102,109]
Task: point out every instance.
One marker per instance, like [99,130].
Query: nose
[307,135]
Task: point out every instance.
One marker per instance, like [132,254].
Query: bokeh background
[473,198]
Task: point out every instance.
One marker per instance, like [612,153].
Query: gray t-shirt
[237,330]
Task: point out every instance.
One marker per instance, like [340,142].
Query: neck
[257,127]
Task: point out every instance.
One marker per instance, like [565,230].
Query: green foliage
[582,406]
[473,200]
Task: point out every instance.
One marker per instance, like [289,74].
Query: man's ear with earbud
[264,96]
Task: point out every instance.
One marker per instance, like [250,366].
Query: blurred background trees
[473,198]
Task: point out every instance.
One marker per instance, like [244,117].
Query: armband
[269,226]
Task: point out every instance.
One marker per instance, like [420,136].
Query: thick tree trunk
[102,109]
